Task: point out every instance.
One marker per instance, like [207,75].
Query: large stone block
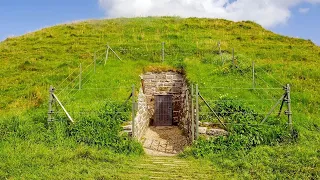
[217,132]
[160,76]
[168,84]
[127,127]
[149,76]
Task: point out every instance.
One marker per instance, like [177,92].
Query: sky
[295,18]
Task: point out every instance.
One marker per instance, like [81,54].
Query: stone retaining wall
[142,119]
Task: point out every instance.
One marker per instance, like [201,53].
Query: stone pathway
[161,145]
[160,167]
[164,141]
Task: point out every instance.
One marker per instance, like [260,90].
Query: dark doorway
[163,110]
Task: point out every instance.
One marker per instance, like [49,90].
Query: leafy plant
[245,131]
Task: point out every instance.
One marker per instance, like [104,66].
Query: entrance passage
[163,110]
[164,140]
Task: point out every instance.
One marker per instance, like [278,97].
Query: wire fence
[224,111]
[172,52]
[239,76]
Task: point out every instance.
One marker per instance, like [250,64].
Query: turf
[51,56]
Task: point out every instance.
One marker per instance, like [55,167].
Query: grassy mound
[94,146]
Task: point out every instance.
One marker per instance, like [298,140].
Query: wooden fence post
[197,111]
[192,113]
[50,110]
[133,111]
[289,112]
[107,55]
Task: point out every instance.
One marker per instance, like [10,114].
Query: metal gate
[163,110]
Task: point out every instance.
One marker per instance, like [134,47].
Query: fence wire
[73,91]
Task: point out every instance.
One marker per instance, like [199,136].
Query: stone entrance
[165,84]
[163,108]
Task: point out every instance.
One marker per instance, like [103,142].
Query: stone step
[127,127]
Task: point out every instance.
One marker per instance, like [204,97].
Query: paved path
[164,141]
[162,144]
[153,167]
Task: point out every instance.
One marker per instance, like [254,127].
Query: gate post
[197,111]
[133,111]
[51,99]
[192,114]
[289,112]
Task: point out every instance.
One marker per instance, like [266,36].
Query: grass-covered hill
[93,147]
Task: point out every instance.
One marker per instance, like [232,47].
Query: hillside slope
[31,63]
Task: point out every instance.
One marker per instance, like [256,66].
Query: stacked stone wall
[142,119]
[168,83]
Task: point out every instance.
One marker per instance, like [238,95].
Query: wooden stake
[50,110]
[133,112]
[213,111]
[197,112]
[272,109]
[107,56]
[289,112]
[192,113]
[64,109]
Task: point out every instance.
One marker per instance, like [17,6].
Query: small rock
[203,130]
[208,124]
[127,128]
[217,132]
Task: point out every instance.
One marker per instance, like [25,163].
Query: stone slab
[217,132]
[203,130]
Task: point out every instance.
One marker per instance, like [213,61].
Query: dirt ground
[164,141]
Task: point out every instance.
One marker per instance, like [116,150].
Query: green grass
[33,62]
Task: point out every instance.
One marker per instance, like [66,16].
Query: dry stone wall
[142,119]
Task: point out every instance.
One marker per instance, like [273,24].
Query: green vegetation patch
[93,148]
